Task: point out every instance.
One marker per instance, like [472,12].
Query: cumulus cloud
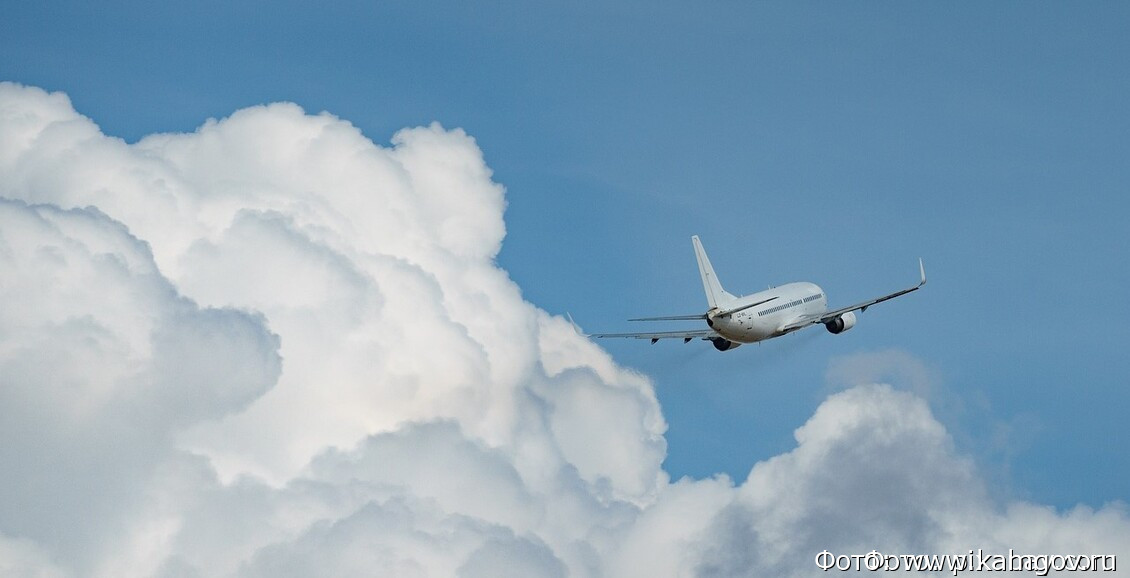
[271,347]
[103,363]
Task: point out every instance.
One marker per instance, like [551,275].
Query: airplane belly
[743,331]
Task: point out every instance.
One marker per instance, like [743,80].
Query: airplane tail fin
[715,295]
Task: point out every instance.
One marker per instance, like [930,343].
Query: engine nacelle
[841,323]
[724,344]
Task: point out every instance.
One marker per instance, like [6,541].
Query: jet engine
[841,323]
[724,344]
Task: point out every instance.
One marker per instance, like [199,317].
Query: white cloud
[272,347]
[102,364]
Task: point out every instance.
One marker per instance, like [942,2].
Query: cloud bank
[272,347]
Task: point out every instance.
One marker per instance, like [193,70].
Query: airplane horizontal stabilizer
[698,317]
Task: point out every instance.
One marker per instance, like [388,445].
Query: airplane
[778,311]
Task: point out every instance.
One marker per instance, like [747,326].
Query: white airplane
[765,315]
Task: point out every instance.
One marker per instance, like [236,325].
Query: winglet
[922,269]
[576,329]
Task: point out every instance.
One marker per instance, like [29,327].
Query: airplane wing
[657,335]
[704,316]
[830,315]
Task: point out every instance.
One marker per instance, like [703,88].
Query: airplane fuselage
[780,306]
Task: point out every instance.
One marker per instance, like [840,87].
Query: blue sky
[801,141]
